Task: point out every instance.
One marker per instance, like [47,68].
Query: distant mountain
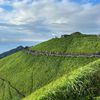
[5,54]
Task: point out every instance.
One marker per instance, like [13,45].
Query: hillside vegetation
[22,74]
[80,84]
[71,44]
[28,73]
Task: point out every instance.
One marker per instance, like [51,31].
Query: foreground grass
[81,84]
[28,73]
[97,98]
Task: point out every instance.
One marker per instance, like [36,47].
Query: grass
[97,98]
[7,92]
[28,73]
[71,44]
[79,85]
[34,74]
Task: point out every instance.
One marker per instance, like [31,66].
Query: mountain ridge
[30,73]
[10,52]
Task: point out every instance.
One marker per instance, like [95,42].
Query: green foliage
[78,85]
[28,73]
[97,98]
[76,44]
[7,92]
[22,74]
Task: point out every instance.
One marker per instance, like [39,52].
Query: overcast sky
[38,20]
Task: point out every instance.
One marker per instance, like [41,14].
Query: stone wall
[62,54]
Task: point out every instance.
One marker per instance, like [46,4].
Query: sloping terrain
[80,84]
[71,44]
[23,73]
[28,73]
[8,92]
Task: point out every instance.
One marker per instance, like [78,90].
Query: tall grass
[79,85]
[66,75]
[97,98]
[28,73]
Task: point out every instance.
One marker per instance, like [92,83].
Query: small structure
[73,34]
[64,36]
[76,34]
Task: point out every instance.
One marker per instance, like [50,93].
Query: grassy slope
[71,44]
[7,92]
[78,85]
[28,73]
[97,98]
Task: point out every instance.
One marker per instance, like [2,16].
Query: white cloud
[42,18]
[1,10]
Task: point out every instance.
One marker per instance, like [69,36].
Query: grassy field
[28,73]
[97,98]
[22,74]
[80,84]
[71,44]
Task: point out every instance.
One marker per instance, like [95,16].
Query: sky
[40,20]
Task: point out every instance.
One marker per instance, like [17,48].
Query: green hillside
[71,44]
[22,74]
[28,73]
[97,98]
[80,84]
